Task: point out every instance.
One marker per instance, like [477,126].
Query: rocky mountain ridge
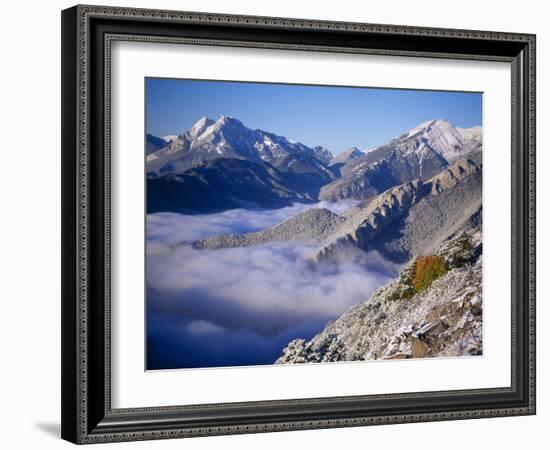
[313,225]
[347,155]
[405,220]
[420,153]
[154,143]
[226,137]
[380,222]
[292,170]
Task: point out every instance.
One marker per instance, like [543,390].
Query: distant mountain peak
[419,153]
[224,124]
[347,155]
[228,137]
[439,135]
[202,122]
[352,151]
[224,120]
[199,127]
[429,125]
[323,154]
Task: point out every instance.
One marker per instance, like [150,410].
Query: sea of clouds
[241,306]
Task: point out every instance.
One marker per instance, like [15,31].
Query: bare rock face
[444,319]
[346,156]
[364,226]
[450,177]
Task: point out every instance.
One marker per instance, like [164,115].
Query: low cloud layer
[172,228]
[241,306]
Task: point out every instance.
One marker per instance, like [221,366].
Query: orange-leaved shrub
[428,269]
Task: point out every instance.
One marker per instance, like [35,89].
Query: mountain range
[419,153]
[223,164]
[403,221]
[416,198]
[226,137]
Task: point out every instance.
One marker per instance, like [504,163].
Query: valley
[293,255]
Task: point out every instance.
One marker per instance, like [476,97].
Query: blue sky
[334,117]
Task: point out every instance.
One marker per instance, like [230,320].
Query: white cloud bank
[172,228]
[270,293]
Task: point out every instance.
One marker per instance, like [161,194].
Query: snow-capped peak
[199,127]
[435,124]
[221,125]
[440,135]
[228,120]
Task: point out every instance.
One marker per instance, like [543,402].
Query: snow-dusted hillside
[400,321]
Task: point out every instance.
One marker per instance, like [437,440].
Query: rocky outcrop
[449,178]
[441,213]
[397,322]
[361,228]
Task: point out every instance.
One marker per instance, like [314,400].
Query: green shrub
[402,288]
[428,269]
[458,251]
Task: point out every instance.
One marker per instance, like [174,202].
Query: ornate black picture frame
[87,34]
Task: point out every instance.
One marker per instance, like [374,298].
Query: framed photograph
[280,224]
